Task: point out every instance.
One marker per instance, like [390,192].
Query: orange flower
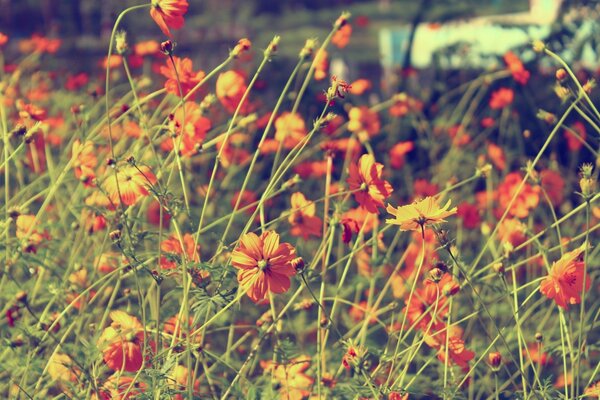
[501,98]
[363,122]
[85,161]
[342,36]
[62,368]
[264,264]
[146,48]
[25,230]
[516,68]
[470,215]
[294,383]
[113,61]
[39,44]
[554,185]
[230,88]
[321,64]
[172,248]
[457,352]
[179,378]
[122,342]
[564,283]
[3,39]
[496,155]
[129,184]
[398,153]
[360,86]
[302,217]
[593,390]
[527,199]
[428,305]
[312,169]
[121,387]
[415,216]
[365,181]
[169,14]
[194,131]
[575,139]
[187,77]
[289,129]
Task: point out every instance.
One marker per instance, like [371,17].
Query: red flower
[469,213]
[365,181]
[187,77]
[501,98]
[516,68]
[169,14]
[575,140]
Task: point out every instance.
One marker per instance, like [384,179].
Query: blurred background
[389,36]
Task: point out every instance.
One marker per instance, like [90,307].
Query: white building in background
[483,36]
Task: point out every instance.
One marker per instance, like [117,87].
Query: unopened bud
[495,360]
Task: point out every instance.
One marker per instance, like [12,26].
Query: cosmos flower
[264,264]
[129,184]
[564,284]
[415,216]
[169,14]
[364,179]
[302,217]
[122,342]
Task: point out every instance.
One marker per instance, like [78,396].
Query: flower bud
[539,337]
[121,42]
[538,46]
[495,360]
[167,47]
[242,46]
[561,74]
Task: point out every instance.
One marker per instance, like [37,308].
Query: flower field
[175,230]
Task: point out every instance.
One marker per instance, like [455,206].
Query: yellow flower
[415,216]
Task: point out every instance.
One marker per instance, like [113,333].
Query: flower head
[129,184]
[122,342]
[564,284]
[169,14]
[415,216]
[364,179]
[302,217]
[265,264]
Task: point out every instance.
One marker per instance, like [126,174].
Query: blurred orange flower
[501,98]
[187,77]
[302,217]
[363,122]
[294,383]
[230,88]
[341,38]
[264,264]
[85,162]
[321,64]
[289,129]
[527,199]
[171,247]
[516,68]
[169,14]
[398,153]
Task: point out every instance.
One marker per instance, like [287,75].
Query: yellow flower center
[262,264]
